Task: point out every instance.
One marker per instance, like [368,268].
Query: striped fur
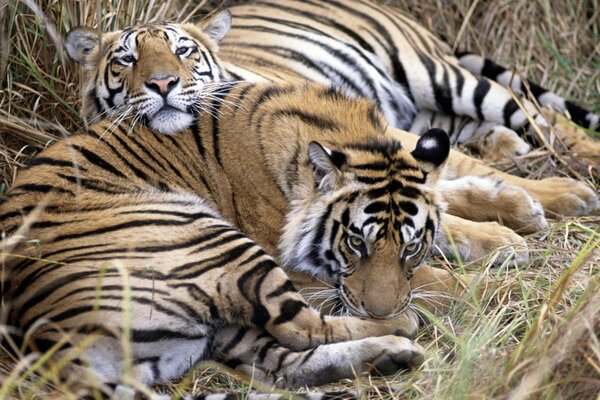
[378,52]
[480,66]
[163,239]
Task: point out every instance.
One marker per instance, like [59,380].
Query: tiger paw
[471,241]
[485,198]
[389,354]
[577,141]
[564,196]
[498,144]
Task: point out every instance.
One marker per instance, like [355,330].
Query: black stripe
[155,335]
[376,207]
[195,128]
[222,260]
[314,254]
[285,287]
[509,109]
[288,310]
[307,118]
[52,162]
[409,207]
[35,187]
[491,70]
[260,314]
[125,225]
[481,90]
[98,161]
[579,114]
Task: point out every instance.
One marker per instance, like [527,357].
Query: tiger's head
[155,73]
[369,223]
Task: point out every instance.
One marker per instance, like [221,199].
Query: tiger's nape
[159,74]
[378,52]
[143,240]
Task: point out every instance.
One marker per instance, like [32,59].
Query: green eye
[357,244]
[412,248]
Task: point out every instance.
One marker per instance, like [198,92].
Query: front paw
[471,241]
[392,354]
[564,196]
[485,198]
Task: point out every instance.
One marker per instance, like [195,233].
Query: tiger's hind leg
[257,354]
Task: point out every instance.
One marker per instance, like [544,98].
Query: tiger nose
[162,85]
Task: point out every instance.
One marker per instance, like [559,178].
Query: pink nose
[162,85]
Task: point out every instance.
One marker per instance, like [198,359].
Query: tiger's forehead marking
[132,37]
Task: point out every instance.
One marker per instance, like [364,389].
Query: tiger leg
[482,99]
[558,196]
[495,142]
[472,241]
[257,354]
[492,199]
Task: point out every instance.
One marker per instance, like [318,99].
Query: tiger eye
[412,248]
[357,242]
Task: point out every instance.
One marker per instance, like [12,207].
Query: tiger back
[377,51]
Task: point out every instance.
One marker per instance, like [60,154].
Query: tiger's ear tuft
[326,164]
[216,25]
[81,42]
[432,150]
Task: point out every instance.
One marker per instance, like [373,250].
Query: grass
[537,339]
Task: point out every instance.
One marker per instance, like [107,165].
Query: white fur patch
[428,143]
[550,98]
[169,121]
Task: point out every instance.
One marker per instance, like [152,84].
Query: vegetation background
[539,340]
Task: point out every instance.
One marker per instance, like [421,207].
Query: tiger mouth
[345,306]
[169,120]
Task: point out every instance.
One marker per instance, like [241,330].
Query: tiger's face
[158,74]
[370,224]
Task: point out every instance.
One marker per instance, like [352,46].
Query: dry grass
[541,340]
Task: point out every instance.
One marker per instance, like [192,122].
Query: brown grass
[541,341]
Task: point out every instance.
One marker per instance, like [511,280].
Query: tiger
[144,181]
[470,189]
[379,52]
[131,233]
[163,239]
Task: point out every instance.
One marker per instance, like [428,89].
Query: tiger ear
[326,165]
[217,25]
[431,152]
[81,43]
